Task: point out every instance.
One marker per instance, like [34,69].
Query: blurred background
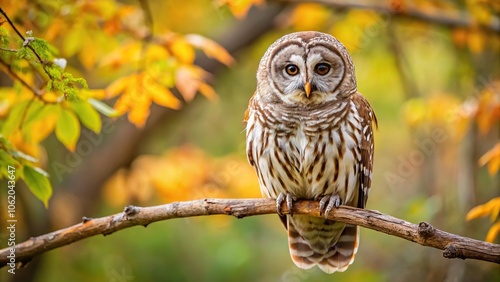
[430,69]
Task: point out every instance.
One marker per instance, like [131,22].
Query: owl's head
[306,68]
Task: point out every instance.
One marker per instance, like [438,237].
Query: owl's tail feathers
[337,258]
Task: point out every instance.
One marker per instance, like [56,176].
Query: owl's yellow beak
[307,88]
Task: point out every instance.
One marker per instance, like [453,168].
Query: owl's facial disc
[306,73]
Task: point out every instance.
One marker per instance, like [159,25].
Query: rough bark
[453,246]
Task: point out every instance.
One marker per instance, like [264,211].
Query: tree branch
[453,246]
[27,43]
[15,77]
[460,19]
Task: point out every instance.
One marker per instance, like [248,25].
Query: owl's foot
[289,201]
[333,200]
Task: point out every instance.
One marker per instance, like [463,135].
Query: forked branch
[453,246]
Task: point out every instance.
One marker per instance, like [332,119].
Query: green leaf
[42,47]
[14,118]
[87,115]
[47,117]
[24,53]
[104,108]
[33,112]
[4,37]
[56,74]
[81,81]
[68,129]
[38,183]
[47,110]
[6,160]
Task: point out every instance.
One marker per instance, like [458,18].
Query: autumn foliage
[45,97]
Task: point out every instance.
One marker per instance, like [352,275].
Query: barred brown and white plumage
[309,136]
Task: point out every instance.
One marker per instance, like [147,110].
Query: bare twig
[37,93]
[15,77]
[461,19]
[453,246]
[11,23]
[8,50]
[27,43]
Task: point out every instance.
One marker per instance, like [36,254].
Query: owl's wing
[367,146]
[247,112]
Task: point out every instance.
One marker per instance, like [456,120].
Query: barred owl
[310,136]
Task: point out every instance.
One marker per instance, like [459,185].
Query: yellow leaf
[43,124]
[29,148]
[207,91]
[492,158]
[135,99]
[124,55]
[491,207]
[239,8]
[163,97]
[51,97]
[182,50]
[42,129]
[187,81]
[138,115]
[210,48]
[68,129]
[120,85]
[476,212]
[156,52]
[493,232]
[488,108]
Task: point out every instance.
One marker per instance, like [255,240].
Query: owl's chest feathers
[310,151]
[303,129]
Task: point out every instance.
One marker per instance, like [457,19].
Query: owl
[309,135]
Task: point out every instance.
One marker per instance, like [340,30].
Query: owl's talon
[333,200]
[289,202]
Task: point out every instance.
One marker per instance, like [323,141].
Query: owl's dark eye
[322,68]
[292,69]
